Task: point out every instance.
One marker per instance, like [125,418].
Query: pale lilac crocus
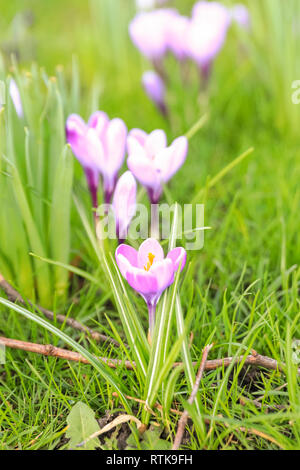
[176,35]
[88,151]
[112,135]
[148,31]
[148,271]
[100,148]
[155,88]
[240,14]
[124,204]
[16,98]
[152,162]
[207,33]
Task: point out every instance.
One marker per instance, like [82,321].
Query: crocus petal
[139,135]
[126,258]
[149,246]
[135,147]
[99,121]
[155,142]
[207,31]
[84,143]
[169,160]
[178,258]
[152,46]
[124,203]
[144,171]
[163,271]
[115,140]
[142,281]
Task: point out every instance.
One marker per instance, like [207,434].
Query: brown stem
[184,418]
[14,296]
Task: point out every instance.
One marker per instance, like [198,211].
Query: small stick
[14,296]
[49,350]
[53,351]
[184,418]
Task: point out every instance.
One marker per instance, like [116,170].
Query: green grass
[241,291]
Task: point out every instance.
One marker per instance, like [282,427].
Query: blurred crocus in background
[124,204]
[152,162]
[112,135]
[149,34]
[100,148]
[199,37]
[155,88]
[207,33]
[148,271]
[16,98]
[240,14]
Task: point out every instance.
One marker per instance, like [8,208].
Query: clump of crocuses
[149,272]
[199,37]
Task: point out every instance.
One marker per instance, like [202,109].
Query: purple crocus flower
[152,162]
[155,88]
[207,33]
[87,149]
[148,31]
[148,272]
[240,14]
[100,148]
[176,35]
[124,203]
[112,135]
[16,98]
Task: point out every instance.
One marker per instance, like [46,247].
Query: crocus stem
[155,221]
[151,310]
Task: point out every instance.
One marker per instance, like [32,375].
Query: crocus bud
[149,272]
[155,88]
[207,33]
[240,14]
[152,162]
[124,204]
[16,98]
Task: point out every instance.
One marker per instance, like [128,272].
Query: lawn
[239,292]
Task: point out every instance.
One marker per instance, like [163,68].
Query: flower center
[150,262]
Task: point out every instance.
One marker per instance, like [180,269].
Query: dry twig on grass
[183,420]
[14,296]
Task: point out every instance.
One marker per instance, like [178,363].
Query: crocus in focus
[152,162]
[16,98]
[155,88]
[148,271]
[124,204]
[207,33]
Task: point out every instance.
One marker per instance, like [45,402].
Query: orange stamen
[150,262]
